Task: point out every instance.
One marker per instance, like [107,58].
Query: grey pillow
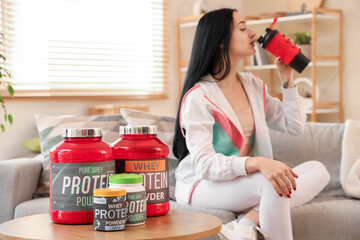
[50,130]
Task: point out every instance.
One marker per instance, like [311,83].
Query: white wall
[351,55]
[255,7]
[24,111]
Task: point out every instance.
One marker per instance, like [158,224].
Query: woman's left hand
[285,73]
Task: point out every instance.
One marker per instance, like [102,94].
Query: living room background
[24,110]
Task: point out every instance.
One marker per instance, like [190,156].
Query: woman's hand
[280,175]
[285,73]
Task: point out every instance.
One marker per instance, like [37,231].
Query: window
[80,48]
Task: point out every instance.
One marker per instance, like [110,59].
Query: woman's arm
[289,115]
[281,176]
[285,73]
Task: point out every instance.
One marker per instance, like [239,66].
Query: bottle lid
[82,132]
[137,129]
[268,36]
[126,178]
[109,192]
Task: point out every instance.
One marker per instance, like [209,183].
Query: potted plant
[5,87]
[303,41]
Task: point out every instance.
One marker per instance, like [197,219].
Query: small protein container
[109,209]
[135,196]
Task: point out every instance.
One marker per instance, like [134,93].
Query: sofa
[332,215]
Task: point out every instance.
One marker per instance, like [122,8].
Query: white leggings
[255,191]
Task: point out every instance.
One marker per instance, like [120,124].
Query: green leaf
[1,56]
[10,119]
[5,73]
[10,90]
[1,99]
[2,127]
[5,117]
[301,37]
[3,105]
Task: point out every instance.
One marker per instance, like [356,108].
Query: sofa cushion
[321,142]
[50,130]
[165,132]
[328,218]
[18,182]
[31,207]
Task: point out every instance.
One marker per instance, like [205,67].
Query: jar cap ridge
[125,178]
[109,192]
[82,132]
[138,129]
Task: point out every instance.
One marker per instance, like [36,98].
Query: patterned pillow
[165,132]
[50,130]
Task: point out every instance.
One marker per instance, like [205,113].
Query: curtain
[82,48]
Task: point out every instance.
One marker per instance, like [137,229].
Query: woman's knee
[320,171]
[268,194]
[266,187]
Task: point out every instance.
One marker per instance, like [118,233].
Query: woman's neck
[231,81]
[232,78]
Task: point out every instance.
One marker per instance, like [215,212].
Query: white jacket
[214,135]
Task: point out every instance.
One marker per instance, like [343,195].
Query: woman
[222,136]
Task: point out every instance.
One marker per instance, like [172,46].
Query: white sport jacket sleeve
[288,115]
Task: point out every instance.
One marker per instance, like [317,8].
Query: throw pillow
[32,144]
[165,132]
[350,162]
[50,131]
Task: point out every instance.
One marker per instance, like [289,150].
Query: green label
[73,184]
[136,206]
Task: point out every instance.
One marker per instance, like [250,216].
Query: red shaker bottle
[279,46]
[138,150]
[78,165]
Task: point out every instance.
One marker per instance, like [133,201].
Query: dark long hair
[207,56]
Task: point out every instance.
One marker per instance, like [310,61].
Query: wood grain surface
[177,224]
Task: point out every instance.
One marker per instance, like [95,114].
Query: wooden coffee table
[177,224]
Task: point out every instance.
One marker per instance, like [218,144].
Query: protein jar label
[156,176]
[109,213]
[136,205]
[73,184]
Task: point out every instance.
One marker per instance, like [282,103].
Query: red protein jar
[78,165]
[138,150]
